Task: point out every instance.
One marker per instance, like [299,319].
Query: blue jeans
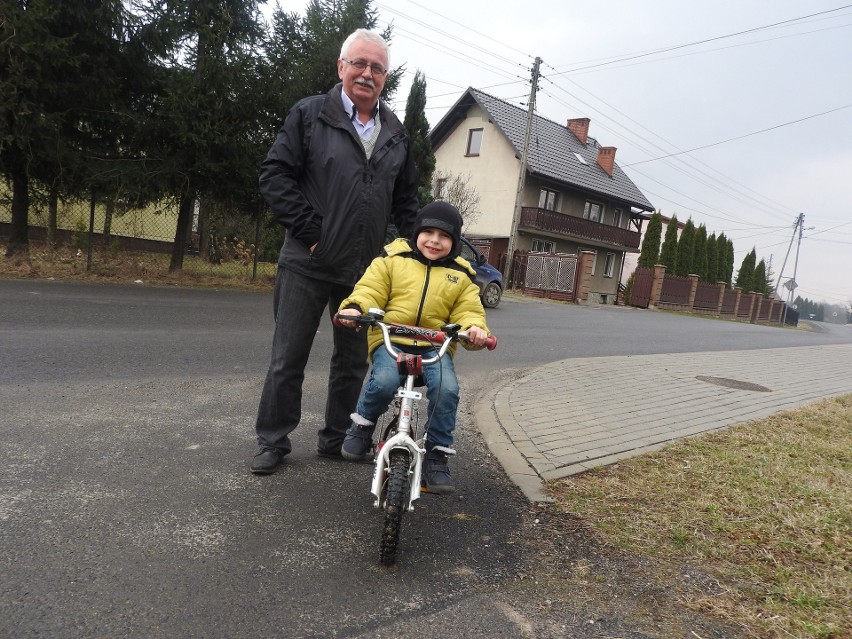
[442,391]
[299,302]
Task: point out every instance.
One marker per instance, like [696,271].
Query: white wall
[493,173]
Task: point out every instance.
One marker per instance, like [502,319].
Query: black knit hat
[439,215]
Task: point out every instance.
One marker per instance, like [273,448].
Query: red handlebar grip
[491,342]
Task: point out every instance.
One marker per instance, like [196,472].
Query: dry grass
[111,265]
[765,507]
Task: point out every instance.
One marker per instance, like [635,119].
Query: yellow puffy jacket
[419,293]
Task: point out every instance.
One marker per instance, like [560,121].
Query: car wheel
[491,295]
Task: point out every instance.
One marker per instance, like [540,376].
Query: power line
[740,137]
[469,28]
[705,41]
[766,208]
[447,35]
[732,46]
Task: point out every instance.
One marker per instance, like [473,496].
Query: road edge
[489,421]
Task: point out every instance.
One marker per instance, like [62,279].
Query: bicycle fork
[407,396]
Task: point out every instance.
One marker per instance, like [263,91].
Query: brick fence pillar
[721,301]
[756,304]
[584,282]
[737,299]
[693,288]
[657,285]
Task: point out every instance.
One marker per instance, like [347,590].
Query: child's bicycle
[401,449]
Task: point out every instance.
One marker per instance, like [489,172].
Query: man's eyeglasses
[375,67]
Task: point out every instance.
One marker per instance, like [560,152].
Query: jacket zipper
[423,296]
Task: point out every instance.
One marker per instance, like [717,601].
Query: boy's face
[434,244]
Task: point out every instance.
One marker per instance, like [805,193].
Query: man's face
[363,86]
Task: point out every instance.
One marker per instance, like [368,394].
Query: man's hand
[354,312]
[476,336]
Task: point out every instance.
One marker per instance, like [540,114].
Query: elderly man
[339,172]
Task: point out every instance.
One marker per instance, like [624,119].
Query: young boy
[421,282]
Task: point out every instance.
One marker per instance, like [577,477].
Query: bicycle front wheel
[396,501]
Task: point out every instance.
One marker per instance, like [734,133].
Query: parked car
[489,279]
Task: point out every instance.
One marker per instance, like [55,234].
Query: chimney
[606,158]
[580,128]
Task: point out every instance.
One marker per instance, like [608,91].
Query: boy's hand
[476,336]
[349,323]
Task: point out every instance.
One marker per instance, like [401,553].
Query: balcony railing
[553,222]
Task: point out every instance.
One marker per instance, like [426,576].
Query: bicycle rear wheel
[396,501]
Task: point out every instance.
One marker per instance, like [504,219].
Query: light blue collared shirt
[364,130]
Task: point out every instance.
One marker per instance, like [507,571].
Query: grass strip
[764,507]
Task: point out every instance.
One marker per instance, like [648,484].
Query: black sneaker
[436,473]
[358,445]
[266,461]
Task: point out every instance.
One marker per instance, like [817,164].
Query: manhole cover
[733,383]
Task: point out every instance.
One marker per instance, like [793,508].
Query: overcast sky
[660,77]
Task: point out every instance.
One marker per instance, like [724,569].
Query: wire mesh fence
[114,239]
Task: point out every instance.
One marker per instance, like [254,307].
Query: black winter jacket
[320,185]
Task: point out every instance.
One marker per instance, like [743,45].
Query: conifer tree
[699,252]
[745,276]
[651,243]
[712,260]
[685,248]
[759,278]
[62,79]
[668,253]
[418,132]
[729,262]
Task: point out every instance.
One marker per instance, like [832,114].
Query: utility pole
[519,196]
[796,262]
[798,224]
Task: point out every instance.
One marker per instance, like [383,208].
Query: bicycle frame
[399,460]
[403,438]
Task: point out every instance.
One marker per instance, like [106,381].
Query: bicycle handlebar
[404,330]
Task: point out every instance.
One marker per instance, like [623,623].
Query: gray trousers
[299,302]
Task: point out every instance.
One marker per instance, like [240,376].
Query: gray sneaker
[358,445]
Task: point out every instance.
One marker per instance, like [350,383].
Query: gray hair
[369,36]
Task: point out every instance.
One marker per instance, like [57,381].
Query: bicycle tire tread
[395,505]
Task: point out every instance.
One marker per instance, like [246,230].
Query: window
[547,200]
[474,141]
[616,218]
[543,246]
[580,158]
[609,266]
[593,211]
[440,188]
[468,254]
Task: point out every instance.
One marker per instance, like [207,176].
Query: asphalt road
[127,508]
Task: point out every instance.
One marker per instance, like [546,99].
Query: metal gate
[551,275]
[640,292]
